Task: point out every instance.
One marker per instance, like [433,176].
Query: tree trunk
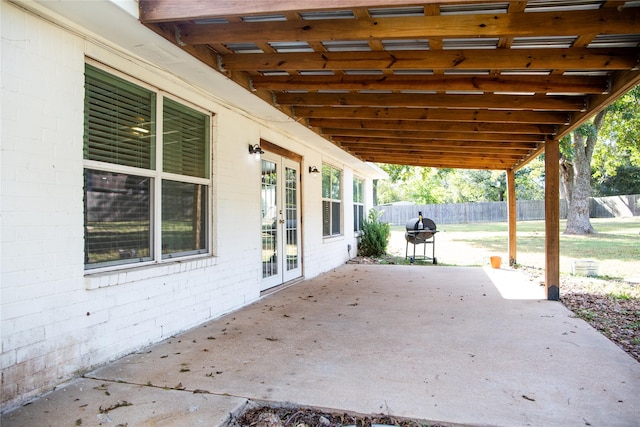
[576,177]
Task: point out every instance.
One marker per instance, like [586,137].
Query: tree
[616,158]
[530,180]
[626,180]
[411,183]
[575,172]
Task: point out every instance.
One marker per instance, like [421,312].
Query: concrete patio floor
[464,345]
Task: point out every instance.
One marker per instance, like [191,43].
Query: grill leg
[433,254]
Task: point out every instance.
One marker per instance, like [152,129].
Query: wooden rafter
[423,126]
[462,83]
[522,83]
[520,59]
[434,114]
[514,102]
[601,21]
[155,11]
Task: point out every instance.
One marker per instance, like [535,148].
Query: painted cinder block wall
[56,321]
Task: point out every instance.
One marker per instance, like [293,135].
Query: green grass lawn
[615,247]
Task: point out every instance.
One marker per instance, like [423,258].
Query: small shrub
[375,236]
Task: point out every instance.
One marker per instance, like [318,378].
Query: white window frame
[157,176]
[357,223]
[331,201]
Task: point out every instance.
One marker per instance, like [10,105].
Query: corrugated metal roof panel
[282,47]
[413,72]
[347,46]
[477,43]
[244,48]
[417,44]
[564,42]
[616,40]
[272,73]
[562,5]
[327,14]
[468,9]
[264,18]
[467,72]
[396,12]
[363,72]
[317,73]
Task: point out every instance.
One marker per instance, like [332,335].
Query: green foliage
[625,180]
[414,184]
[530,180]
[375,236]
[433,186]
[396,172]
[566,147]
[616,158]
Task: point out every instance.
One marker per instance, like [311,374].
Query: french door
[280,190]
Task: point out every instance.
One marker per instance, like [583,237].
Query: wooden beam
[412,125]
[454,136]
[473,59]
[552,218]
[281,151]
[509,83]
[500,152]
[511,212]
[567,23]
[436,114]
[511,102]
[476,158]
[172,10]
[452,152]
[438,163]
[374,141]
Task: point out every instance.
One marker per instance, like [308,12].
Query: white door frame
[281,246]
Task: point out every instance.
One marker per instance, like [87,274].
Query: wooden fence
[526,210]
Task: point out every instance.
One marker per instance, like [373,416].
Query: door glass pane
[184,210]
[269,219]
[291,208]
[117,218]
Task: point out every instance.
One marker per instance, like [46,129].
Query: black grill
[421,231]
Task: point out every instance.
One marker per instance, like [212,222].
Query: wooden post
[552,218]
[511,211]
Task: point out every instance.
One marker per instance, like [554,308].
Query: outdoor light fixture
[256,151]
[313,170]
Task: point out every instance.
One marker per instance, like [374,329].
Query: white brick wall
[55,320]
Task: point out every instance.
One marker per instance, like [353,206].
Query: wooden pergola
[446,84]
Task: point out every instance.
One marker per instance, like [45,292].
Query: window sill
[134,274]
[327,239]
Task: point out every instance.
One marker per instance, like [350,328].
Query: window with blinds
[331,201]
[127,189]
[185,137]
[358,203]
[119,121]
